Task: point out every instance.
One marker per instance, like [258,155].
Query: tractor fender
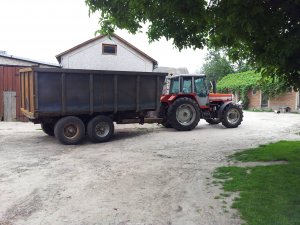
[172,98]
[221,110]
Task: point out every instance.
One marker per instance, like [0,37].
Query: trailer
[70,103]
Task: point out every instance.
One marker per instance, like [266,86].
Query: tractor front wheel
[184,114]
[213,121]
[232,117]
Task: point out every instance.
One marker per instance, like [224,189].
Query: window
[289,89]
[174,86]
[109,49]
[186,84]
[254,91]
[200,87]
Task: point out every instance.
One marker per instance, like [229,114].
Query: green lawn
[269,195]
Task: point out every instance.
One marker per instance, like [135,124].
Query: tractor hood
[219,97]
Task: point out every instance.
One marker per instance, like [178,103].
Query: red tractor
[188,100]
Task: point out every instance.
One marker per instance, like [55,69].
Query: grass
[269,195]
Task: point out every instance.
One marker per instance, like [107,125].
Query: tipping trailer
[69,103]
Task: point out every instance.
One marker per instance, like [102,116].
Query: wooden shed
[10,85]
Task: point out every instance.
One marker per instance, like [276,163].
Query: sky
[40,29]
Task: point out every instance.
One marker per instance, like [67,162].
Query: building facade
[287,102]
[10,85]
[106,53]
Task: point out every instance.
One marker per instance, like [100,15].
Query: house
[106,53]
[285,102]
[255,95]
[10,84]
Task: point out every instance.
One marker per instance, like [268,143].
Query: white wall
[17,62]
[14,62]
[90,57]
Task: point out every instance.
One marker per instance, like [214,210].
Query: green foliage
[243,82]
[216,66]
[263,32]
[242,66]
[266,33]
[240,83]
[268,194]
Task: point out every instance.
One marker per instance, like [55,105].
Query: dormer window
[109,49]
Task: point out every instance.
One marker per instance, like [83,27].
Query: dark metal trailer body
[49,94]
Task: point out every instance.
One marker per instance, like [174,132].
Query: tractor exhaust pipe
[214,86]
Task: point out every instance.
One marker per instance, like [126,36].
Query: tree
[264,32]
[242,66]
[216,66]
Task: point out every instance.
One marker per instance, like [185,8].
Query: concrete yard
[147,175]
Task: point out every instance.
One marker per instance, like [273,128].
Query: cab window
[200,87]
[174,88]
[186,84]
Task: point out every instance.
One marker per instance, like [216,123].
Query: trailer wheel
[232,117]
[69,130]
[184,114]
[166,124]
[48,128]
[100,129]
[213,121]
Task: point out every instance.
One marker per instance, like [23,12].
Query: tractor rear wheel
[163,111]
[213,121]
[232,117]
[184,114]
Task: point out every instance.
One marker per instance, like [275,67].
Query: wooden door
[9,100]
[264,100]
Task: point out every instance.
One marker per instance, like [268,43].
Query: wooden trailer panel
[27,81]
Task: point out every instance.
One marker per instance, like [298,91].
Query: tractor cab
[194,85]
[188,84]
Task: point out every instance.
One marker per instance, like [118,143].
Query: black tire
[70,130]
[232,116]
[184,114]
[166,124]
[48,128]
[100,129]
[213,121]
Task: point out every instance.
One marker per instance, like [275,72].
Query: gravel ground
[145,175]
